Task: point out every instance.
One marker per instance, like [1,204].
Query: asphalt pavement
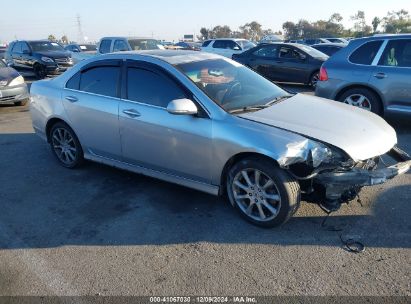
[103,231]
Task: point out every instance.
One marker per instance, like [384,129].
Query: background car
[226,47]
[188,46]
[13,89]
[284,62]
[329,48]
[40,57]
[373,73]
[81,52]
[315,41]
[2,52]
[123,44]
[337,40]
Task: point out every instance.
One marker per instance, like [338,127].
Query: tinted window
[120,46]
[74,82]
[266,51]
[25,47]
[397,53]
[144,44]
[143,86]
[17,48]
[365,54]
[44,46]
[105,46]
[206,43]
[288,53]
[100,80]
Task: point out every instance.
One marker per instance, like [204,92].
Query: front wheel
[264,194]
[40,71]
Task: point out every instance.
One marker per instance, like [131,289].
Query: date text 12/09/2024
[203,299]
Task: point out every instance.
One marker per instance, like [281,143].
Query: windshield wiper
[260,107]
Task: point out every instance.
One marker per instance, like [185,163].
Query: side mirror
[303,57]
[182,107]
[76,51]
[237,48]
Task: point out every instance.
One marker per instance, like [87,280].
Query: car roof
[170,56]
[384,36]
[233,39]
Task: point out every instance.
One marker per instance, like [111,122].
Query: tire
[40,71]
[21,103]
[65,146]
[278,202]
[363,98]
[314,79]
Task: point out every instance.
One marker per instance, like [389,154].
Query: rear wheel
[362,98]
[314,79]
[21,102]
[40,71]
[66,146]
[264,194]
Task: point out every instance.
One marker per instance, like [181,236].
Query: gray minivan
[373,73]
[123,44]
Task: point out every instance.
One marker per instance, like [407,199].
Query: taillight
[323,74]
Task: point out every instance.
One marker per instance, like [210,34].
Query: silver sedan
[209,123]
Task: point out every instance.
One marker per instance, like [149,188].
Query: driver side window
[120,46]
[289,53]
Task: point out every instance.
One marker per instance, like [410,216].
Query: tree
[64,39]
[252,31]
[205,34]
[361,28]
[52,38]
[375,23]
[221,31]
[397,22]
[336,17]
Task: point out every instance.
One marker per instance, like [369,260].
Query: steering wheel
[235,87]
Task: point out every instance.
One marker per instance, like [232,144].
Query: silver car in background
[372,73]
[206,122]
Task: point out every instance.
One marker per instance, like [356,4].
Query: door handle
[132,113]
[71,98]
[380,75]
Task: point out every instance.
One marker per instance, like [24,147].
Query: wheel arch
[361,86]
[237,158]
[51,122]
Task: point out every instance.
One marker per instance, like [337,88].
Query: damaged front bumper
[342,186]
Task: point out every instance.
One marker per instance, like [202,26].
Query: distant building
[188,38]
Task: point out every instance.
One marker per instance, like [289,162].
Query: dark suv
[40,57]
[372,73]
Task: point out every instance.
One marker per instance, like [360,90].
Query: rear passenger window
[120,46]
[397,53]
[266,51]
[105,46]
[365,54]
[17,48]
[102,80]
[74,82]
[143,86]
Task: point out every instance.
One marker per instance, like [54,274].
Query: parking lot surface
[102,231]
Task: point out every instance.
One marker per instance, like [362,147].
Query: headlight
[16,81]
[47,59]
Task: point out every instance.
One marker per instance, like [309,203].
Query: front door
[153,138]
[392,75]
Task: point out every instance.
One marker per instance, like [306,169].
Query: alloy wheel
[314,79]
[358,100]
[64,146]
[256,195]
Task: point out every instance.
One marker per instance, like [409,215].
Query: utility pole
[80,35]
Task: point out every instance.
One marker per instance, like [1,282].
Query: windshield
[245,44]
[42,46]
[312,51]
[88,47]
[231,85]
[144,44]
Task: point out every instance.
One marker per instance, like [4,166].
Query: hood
[8,74]
[361,134]
[55,54]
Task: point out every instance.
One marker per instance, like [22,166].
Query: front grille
[7,98]
[61,60]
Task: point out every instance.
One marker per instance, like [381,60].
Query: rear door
[223,48]
[155,139]
[17,57]
[91,100]
[263,60]
[392,75]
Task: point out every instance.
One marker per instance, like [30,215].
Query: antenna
[80,36]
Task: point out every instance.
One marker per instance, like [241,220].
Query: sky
[169,20]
